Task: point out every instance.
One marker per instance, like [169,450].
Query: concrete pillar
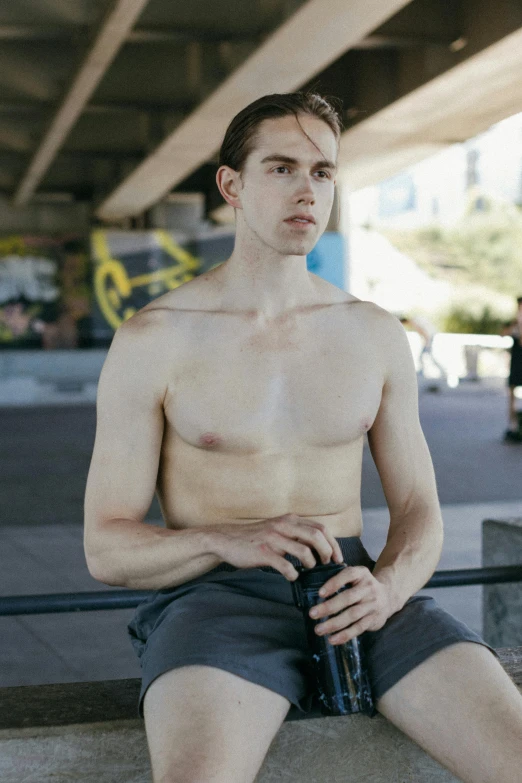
[343,223]
[502,603]
[179,212]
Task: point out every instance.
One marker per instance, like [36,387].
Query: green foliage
[484,247]
[461,320]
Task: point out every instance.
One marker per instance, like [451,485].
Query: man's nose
[305,191]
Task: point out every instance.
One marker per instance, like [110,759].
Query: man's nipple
[209,440]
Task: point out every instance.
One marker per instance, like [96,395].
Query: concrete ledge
[61,364]
[320,750]
[89,733]
[502,602]
[59,377]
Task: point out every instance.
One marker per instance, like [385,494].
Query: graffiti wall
[45,292]
[130,268]
[133,267]
[67,292]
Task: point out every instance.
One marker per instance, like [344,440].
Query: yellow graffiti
[13,245]
[112,285]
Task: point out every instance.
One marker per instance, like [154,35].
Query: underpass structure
[123,105]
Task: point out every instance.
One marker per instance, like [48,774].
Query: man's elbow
[102,569]
[418,510]
[101,573]
[439,530]
[436,524]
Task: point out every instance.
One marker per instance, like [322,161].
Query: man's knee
[194,776]
[200,719]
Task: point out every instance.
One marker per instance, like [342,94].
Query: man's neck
[267,286]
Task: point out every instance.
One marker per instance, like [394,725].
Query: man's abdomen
[198,487]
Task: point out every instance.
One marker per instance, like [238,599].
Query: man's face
[296,179]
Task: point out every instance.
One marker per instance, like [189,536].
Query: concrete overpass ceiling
[164,68]
[442,94]
[413,77]
[324,29]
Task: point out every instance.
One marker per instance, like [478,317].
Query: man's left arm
[415,535]
[401,455]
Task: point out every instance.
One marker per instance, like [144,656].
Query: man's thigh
[206,725]
[464,710]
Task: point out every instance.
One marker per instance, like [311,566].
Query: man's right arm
[120,548]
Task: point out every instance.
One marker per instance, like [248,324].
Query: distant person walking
[426,330]
[514,329]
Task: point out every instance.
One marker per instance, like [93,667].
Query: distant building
[440,188]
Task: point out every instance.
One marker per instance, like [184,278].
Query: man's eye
[325,173]
[280,167]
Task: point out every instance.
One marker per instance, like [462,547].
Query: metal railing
[127,599]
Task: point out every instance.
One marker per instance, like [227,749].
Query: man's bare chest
[254,391]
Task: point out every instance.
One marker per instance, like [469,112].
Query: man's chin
[301,248]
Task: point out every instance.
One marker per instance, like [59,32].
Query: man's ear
[228,183]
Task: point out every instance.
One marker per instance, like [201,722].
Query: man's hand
[365,604]
[265,543]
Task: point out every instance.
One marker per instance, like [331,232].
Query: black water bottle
[342,679]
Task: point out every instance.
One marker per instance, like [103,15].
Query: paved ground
[44,459]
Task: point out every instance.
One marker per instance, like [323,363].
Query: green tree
[484,247]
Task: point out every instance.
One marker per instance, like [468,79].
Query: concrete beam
[453,107]
[112,107]
[24,32]
[112,33]
[380,41]
[142,35]
[313,37]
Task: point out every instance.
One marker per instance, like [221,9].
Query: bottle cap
[319,574]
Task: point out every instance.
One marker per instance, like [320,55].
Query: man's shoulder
[143,323]
[165,309]
[373,314]
[185,296]
[382,330]
[370,316]
[332,294]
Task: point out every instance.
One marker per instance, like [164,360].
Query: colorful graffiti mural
[45,292]
[131,269]
[67,292]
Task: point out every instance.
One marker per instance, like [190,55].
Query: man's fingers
[315,536]
[339,601]
[336,555]
[298,549]
[288,570]
[281,564]
[350,574]
[321,539]
[302,539]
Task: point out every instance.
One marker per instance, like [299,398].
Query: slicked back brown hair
[240,136]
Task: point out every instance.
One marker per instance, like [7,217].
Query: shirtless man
[243,398]
[514,330]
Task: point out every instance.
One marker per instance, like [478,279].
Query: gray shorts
[245,621]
